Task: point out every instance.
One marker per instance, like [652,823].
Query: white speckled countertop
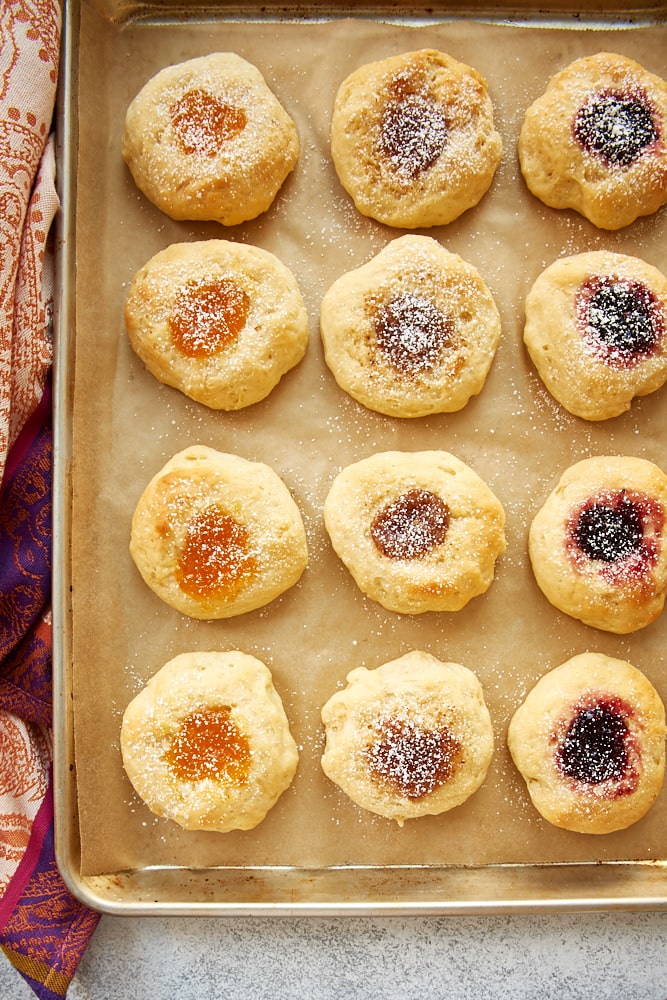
[563,956]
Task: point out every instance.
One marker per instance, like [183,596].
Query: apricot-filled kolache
[596,141]
[215,535]
[207,139]
[589,740]
[411,332]
[220,321]
[598,545]
[410,738]
[418,531]
[206,743]
[596,330]
[413,139]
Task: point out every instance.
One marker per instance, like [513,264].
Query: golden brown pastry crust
[596,330]
[610,187]
[410,738]
[418,531]
[413,139]
[598,545]
[220,321]
[215,535]
[206,743]
[589,741]
[412,332]
[208,139]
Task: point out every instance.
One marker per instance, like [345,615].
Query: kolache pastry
[596,141]
[598,545]
[589,741]
[418,531]
[596,330]
[220,321]
[215,535]
[410,738]
[207,139]
[206,743]
[413,139]
[411,332]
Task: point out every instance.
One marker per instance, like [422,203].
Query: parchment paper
[514,435]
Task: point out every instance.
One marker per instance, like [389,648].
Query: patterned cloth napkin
[43,929]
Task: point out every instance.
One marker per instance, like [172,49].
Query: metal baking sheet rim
[263,891]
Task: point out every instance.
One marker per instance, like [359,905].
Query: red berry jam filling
[596,748]
[616,127]
[620,530]
[411,759]
[413,130]
[412,333]
[621,320]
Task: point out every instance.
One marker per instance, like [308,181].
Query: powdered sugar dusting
[412,332]
[410,757]
[410,526]
[413,133]
[202,123]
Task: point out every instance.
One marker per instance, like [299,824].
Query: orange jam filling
[216,560]
[209,744]
[202,123]
[207,316]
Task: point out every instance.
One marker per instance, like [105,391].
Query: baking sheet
[125,426]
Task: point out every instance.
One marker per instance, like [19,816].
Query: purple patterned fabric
[43,929]
[25,549]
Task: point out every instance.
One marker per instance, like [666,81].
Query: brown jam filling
[596,748]
[411,760]
[412,525]
[202,123]
[216,560]
[412,333]
[413,130]
[209,744]
[207,316]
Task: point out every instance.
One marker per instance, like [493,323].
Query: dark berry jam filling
[595,747]
[412,333]
[411,759]
[621,320]
[620,530]
[413,132]
[412,525]
[610,531]
[616,127]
